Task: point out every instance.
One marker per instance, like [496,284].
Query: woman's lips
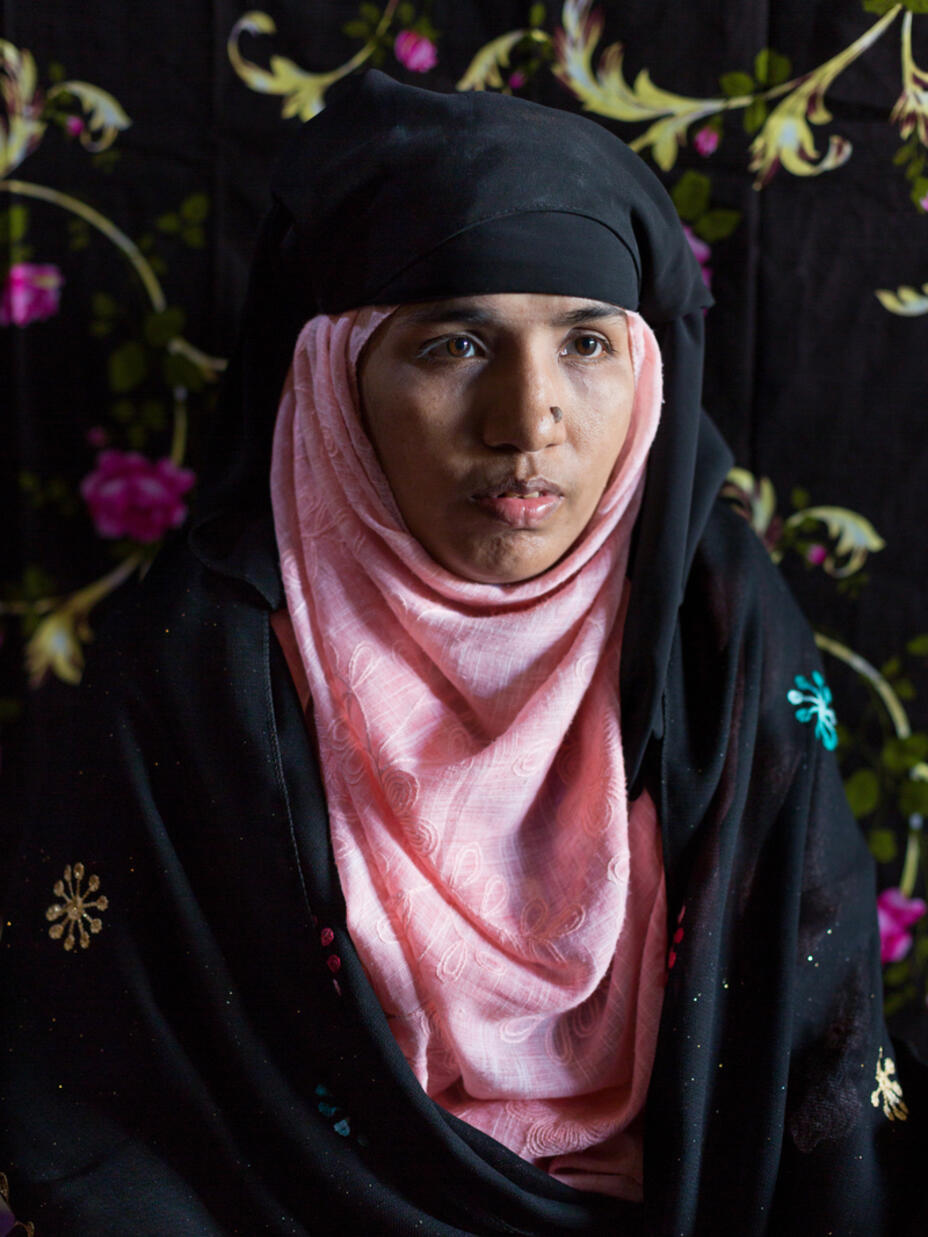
[521,504]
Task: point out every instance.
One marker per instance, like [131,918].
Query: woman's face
[497,421]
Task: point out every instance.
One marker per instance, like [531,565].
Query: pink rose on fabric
[131,496]
[923,202]
[703,254]
[706,140]
[516,80]
[74,125]
[415,52]
[31,294]
[816,554]
[896,914]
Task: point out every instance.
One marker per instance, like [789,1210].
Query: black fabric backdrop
[818,384]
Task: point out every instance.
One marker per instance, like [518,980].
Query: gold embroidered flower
[888,1092]
[73,911]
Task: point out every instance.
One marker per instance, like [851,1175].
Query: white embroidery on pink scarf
[507,906]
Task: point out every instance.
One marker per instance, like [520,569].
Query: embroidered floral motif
[330,1109]
[814,697]
[73,911]
[332,960]
[888,1092]
[677,939]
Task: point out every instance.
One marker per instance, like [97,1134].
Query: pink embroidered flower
[703,254]
[677,939]
[516,80]
[923,202]
[131,496]
[896,914]
[74,125]
[706,140]
[816,555]
[30,294]
[415,52]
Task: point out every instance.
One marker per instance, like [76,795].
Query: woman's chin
[510,558]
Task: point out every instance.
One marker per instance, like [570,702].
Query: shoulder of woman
[735,587]
[169,624]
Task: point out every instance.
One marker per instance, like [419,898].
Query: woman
[448,854]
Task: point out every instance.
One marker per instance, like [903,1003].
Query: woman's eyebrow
[446,311]
[475,315]
[589,313]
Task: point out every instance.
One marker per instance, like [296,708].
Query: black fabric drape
[209,1067]
[168,1076]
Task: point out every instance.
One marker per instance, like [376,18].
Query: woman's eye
[588,345]
[449,347]
[459,347]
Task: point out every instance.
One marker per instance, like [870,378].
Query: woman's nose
[522,405]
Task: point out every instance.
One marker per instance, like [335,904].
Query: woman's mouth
[520,504]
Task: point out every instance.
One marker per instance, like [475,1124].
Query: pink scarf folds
[507,904]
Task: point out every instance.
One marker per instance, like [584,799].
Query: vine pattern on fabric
[779,107]
[70,917]
[885,762]
[138,499]
[129,497]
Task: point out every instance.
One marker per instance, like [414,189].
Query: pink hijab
[506,901]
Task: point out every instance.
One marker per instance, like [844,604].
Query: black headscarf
[396,194]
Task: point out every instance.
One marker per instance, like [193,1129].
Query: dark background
[816,385]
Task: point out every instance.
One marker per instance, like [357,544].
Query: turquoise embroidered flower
[814,697]
[330,1109]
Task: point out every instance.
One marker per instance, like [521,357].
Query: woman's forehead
[553,309]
